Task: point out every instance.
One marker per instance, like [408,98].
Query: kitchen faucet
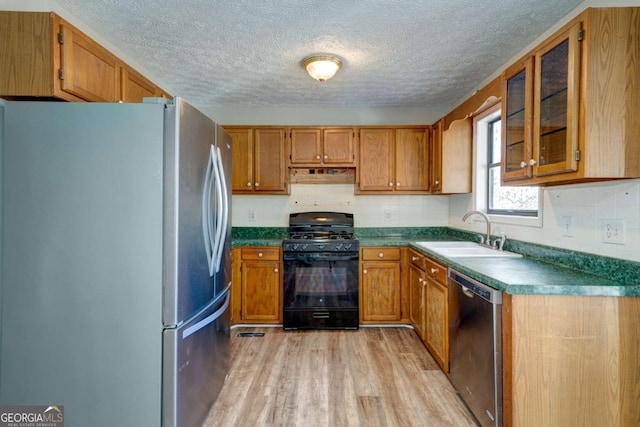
[487,240]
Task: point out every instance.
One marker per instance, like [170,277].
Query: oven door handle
[310,256]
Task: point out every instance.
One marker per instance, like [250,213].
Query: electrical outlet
[566,224]
[252,216]
[613,231]
[387,214]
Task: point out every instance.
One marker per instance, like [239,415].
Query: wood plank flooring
[369,377]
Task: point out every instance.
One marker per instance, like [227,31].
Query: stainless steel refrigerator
[116,261]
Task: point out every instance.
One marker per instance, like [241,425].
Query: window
[520,201]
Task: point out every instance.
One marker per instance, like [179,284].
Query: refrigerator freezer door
[195,363]
[188,284]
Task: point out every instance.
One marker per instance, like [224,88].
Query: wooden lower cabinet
[571,360]
[257,285]
[429,305]
[380,285]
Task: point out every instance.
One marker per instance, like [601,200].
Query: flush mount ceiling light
[322,67]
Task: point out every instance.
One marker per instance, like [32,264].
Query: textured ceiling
[247,53]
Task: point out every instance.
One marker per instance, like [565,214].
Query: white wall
[369,211]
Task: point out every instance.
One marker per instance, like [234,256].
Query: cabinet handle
[326,157]
[260,254]
[437,182]
[275,270]
[523,164]
[434,270]
[317,157]
[381,255]
[248,184]
[397,184]
[413,258]
[364,271]
[257,184]
[420,280]
[532,162]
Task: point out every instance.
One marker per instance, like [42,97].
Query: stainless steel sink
[456,249]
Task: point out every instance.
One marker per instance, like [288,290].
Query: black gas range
[320,284]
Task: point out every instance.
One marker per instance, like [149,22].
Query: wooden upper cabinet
[258,160]
[517,115]
[87,70]
[134,86]
[44,56]
[412,160]
[579,89]
[322,147]
[377,151]
[394,160]
[455,160]
[435,156]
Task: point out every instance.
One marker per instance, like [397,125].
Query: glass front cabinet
[570,107]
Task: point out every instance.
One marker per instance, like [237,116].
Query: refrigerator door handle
[207,210]
[223,210]
[211,318]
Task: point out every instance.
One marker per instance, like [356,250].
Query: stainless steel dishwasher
[475,344]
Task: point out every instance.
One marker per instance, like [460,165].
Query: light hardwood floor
[369,377]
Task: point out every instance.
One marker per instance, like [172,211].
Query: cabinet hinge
[61,38]
[61,73]
[580,34]
[577,155]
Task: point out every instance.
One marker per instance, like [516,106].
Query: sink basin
[453,249]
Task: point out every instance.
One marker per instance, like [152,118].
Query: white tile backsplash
[587,205]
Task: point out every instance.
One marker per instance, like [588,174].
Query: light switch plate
[566,225]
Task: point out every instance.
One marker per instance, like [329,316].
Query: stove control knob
[347,246]
[321,246]
[338,246]
[304,246]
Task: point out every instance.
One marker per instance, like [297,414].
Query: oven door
[320,280]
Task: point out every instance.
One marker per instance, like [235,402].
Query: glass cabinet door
[517,106]
[556,95]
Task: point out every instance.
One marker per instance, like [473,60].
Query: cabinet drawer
[377,254]
[417,259]
[261,253]
[436,271]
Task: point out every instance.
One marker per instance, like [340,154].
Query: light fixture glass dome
[322,67]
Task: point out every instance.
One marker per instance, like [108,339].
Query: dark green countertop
[543,270]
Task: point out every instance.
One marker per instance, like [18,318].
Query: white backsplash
[369,211]
[588,205]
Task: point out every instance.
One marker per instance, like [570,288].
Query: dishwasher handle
[475,288]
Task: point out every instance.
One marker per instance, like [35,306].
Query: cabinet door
[412,160]
[417,300]
[269,161]
[380,291]
[376,160]
[556,109]
[261,291]
[134,86]
[88,70]
[436,157]
[457,144]
[437,331]
[517,112]
[306,147]
[338,147]
[242,164]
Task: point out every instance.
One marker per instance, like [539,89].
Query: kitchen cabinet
[320,146]
[454,158]
[436,335]
[417,293]
[258,160]
[380,287]
[570,110]
[436,157]
[394,160]
[44,56]
[429,305]
[257,282]
[571,360]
